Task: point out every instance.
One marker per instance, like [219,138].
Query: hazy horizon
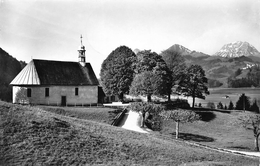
[51,30]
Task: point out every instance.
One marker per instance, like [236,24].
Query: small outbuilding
[57,83]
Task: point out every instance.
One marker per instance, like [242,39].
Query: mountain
[9,68]
[185,51]
[237,49]
[136,50]
[217,68]
[180,49]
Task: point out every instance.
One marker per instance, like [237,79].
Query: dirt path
[132,121]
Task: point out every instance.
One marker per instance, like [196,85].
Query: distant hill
[219,68]
[237,49]
[9,68]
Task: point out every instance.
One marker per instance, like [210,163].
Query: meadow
[215,129]
[33,136]
[97,114]
[225,95]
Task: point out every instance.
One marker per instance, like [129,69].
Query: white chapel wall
[86,95]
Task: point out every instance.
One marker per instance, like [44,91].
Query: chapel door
[63,101]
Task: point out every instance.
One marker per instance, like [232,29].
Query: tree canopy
[180,116]
[117,71]
[175,63]
[193,83]
[152,75]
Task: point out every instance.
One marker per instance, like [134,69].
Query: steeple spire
[81,50]
[81,40]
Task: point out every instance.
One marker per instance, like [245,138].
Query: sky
[51,29]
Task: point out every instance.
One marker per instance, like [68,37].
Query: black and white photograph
[129,82]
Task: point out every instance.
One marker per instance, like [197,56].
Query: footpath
[132,121]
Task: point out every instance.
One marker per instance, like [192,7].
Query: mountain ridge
[237,49]
[219,68]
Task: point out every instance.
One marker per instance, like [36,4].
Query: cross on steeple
[81,50]
[81,39]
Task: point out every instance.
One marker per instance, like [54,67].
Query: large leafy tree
[152,75]
[243,103]
[179,116]
[117,72]
[143,85]
[193,83]
[176,65]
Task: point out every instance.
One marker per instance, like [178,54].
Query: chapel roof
[46,72]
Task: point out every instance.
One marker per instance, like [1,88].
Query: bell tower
[81,50]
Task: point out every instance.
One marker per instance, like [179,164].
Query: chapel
[63,83]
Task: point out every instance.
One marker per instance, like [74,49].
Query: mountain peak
[179,48]
[237,49]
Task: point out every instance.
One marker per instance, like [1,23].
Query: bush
[211,105]
[220,105]
[154,123]
[150,114]
[178,103]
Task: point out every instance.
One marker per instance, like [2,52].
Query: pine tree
[231,105]
[225,107]
[254,107]
[243,103]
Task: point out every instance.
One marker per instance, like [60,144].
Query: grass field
[98,114]
[32,136]
[219,95]
[215,129]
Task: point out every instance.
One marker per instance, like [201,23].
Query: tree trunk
[256,143]
[177,129]
[143,120]
[169,97]
[149,98]
[121,97]
[193,101]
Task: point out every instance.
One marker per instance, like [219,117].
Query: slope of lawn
[215,129]
[98,114]
[32,136]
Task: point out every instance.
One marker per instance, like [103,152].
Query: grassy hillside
[32,136]
[215,129]
[98,114]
